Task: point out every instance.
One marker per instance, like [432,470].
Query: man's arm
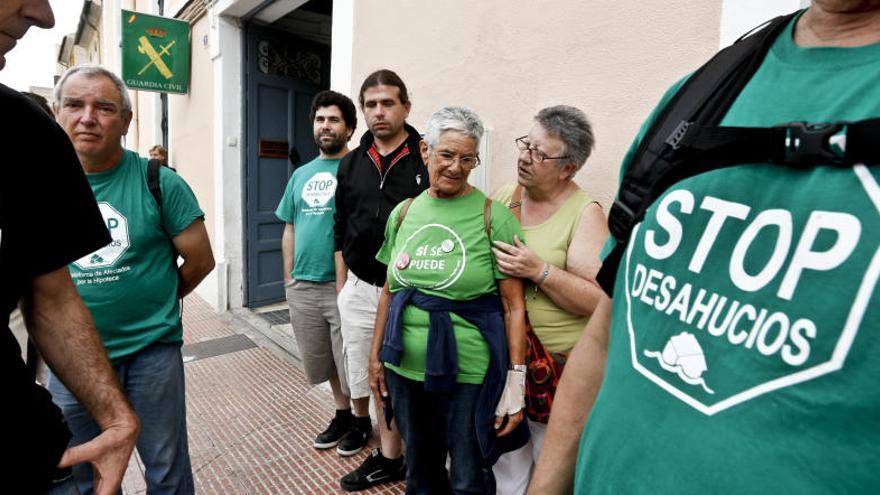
[64,332]
[194,247]
[584,371]
[287,252]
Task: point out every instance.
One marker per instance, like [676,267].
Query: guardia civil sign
[155,53]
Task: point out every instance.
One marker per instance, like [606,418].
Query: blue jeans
[153,382]
[432,424]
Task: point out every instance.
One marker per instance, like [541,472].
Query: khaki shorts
[357,310]
[315,321]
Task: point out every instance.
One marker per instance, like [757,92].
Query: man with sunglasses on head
[377,175]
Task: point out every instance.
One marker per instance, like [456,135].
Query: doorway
[285,65]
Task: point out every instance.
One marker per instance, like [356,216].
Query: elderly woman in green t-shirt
[449,344]
[564,231]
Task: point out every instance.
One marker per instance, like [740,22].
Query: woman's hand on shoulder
[517,260]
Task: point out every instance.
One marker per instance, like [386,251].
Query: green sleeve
[384,254]
[179,205]
[285,211]
[504,227]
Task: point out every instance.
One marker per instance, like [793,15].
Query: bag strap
[703,100]
[515,204]
[403,210]
[487,220]
[153,167]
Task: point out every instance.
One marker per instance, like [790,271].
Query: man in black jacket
[377,175]
[42,185]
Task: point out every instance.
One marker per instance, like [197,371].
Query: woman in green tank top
[564,231]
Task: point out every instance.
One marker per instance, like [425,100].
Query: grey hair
[571,126]
[457,119]
[92,71]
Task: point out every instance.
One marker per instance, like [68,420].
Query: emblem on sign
[155,52]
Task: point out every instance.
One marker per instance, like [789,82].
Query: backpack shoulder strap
[515,204]
[153,167]
[487,218]
[403,210]
[703,99]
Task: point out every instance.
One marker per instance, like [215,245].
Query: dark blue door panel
[283,74]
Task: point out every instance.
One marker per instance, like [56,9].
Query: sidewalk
[251,414]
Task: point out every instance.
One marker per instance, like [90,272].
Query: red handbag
[544,369]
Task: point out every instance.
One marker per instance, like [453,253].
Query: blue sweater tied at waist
[441,362]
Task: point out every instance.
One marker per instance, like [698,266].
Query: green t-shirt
[442,250]
[744,353]
[309,206]
[130,285]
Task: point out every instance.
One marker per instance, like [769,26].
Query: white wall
[224,288]
[340,56]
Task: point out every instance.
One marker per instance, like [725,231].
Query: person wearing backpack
[133,286]
[739,351]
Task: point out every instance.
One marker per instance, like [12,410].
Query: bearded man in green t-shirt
[307,248]
[740,353]
[133,286]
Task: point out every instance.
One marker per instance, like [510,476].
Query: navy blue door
[283,74]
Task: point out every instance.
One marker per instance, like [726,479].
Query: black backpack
[685,139]
[153,167]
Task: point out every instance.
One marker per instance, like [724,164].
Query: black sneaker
[356,438]
[339,426]
[375,469]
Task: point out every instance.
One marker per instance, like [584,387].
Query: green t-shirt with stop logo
[442,249]
[308,204]
[744,351]
[130,285]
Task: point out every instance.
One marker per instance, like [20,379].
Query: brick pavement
[252,417]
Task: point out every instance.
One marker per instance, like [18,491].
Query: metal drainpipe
[163,97]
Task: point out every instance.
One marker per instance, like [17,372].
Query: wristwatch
[519,367]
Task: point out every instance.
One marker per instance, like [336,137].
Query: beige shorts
[315,321]
[357,310]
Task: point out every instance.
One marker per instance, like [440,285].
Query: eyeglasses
[536,155]
[447,159]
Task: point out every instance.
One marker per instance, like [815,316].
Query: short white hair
[91,71]
[457,119]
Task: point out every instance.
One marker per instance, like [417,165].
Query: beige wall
[507,59]
[190,118]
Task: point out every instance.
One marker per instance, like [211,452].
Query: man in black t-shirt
[48,218]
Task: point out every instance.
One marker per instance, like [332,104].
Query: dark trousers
[433,424]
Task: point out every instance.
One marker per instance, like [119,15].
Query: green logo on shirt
[117,224]
[726,300]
